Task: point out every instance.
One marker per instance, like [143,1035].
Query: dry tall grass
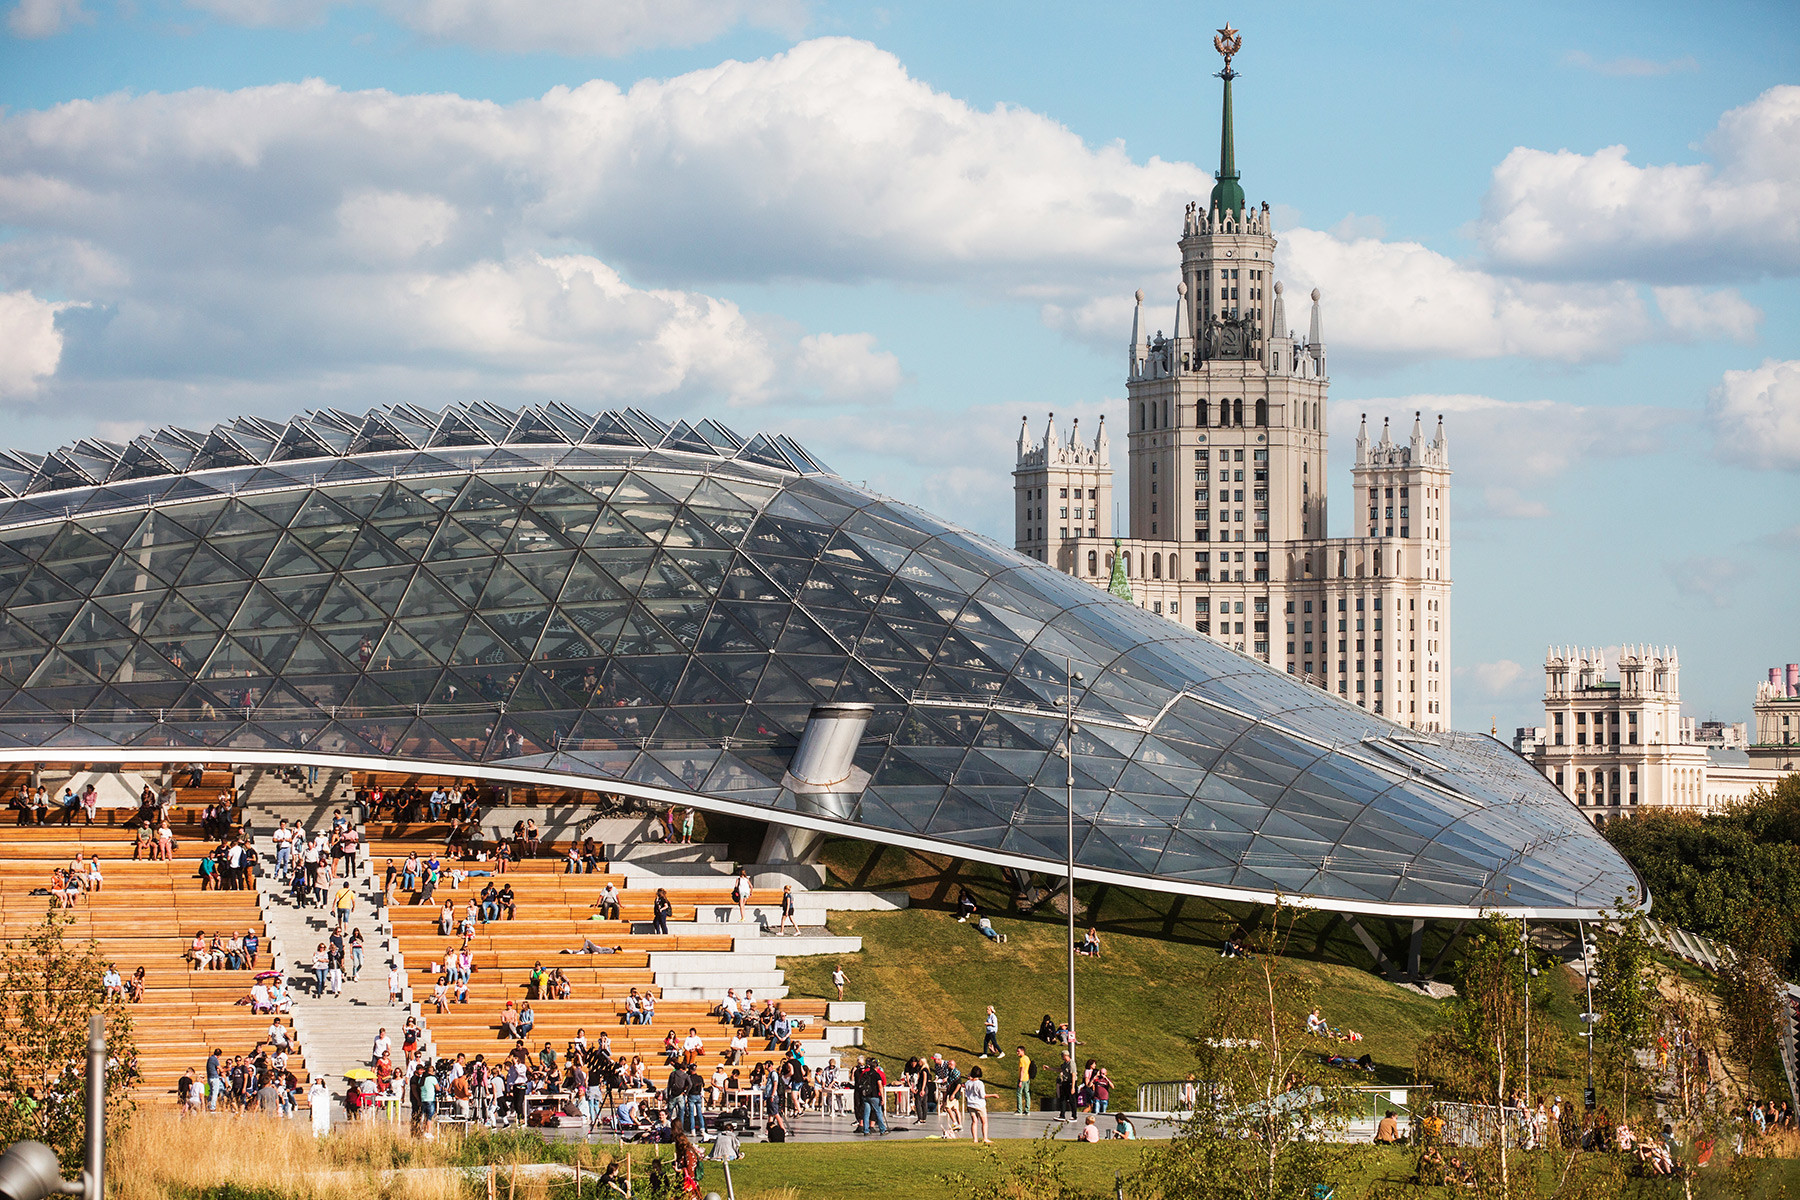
[161,1155]
[165,1157]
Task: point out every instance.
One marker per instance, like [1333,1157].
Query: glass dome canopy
[614,603]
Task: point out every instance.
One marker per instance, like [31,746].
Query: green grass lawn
[917,1170]
[927,980]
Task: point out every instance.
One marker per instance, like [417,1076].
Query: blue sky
[890,230]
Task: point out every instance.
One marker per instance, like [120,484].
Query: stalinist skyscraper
[1225,482]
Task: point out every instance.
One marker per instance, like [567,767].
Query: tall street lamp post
[1066,702]
[29,1170]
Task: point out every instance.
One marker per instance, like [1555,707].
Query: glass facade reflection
[657,606]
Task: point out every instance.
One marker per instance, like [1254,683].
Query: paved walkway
[335,1031]
[813,1127]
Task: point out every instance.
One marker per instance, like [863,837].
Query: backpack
[1031,1071]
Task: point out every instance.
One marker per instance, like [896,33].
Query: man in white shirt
[382,1046]
[259,999]
[609,903]
[284,847]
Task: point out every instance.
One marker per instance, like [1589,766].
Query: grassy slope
[927,980]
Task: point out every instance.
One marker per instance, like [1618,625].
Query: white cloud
[602,27]
[1402,300]
[1598,215]
[30,345]
[244,240]
[1755,416]
[1711,579]
[1493,679]
[1508,454]
[1698,313]
[1628,67]
[1501,501]
[45,18]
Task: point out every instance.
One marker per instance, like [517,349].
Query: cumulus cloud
[1508,454]
[1755,416]
[1493,679]
[45,18]
[30,345]
[554,26]
[1702,314]
[1402,300]
[435,242]
[1568,215]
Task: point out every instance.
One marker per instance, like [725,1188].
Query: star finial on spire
[1227,44]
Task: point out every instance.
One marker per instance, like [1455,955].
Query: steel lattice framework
[615,603]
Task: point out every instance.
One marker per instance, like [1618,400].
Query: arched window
[1141,424]
[1093,562]
[1237,412]
[1224,413]
[1165,420]
[1262,413]
[1156,566]
[1128,562]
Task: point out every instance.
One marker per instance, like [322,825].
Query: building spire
[1227,193]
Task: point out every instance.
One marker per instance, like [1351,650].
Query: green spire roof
[1119,585]
[1227,193]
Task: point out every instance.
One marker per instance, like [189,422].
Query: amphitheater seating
[145,914]
[556,913]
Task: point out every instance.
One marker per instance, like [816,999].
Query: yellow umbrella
[359,1073]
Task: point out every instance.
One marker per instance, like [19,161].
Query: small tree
[1265,1100]
[48,990]
[1626,996]
[1751,992]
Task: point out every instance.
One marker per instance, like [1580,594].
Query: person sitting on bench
[608,903]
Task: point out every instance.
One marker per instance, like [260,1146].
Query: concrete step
[704,853]
[712,984]
[794,944]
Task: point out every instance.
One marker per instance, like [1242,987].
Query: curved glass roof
[660,615]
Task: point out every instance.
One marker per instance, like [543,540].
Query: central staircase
[337,1031]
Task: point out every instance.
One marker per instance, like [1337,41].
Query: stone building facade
[1225,497]
[1617,743]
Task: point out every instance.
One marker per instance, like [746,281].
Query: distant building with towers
[1225,484]
[1618,744]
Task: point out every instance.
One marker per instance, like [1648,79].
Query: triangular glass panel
[520,628]
[611,429]
[291,558]
[437,636]
[479,645]
[453,541]
[464,579]
[59,670]
[344,605]
[209,566]
[312,657]
[427,596]
[230,660]
[371,549]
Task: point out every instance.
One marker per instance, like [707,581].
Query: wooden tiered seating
[145,914]
[555,913]
[521,794]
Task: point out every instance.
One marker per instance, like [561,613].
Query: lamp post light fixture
[1066,702]
[1588,1018]
[29,1170]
